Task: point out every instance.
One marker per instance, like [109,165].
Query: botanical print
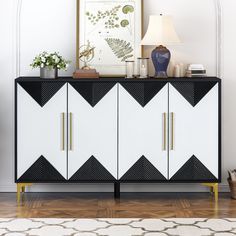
[109,18]
[120,48]
[113,27]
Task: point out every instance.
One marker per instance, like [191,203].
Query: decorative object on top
[86,74]
[49,64]
[160,32]
[143,67]
[182,69]
[129,69]
[196,70]
[114,27]
[86,55]
[179,70]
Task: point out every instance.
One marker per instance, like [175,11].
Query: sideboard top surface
[119,79]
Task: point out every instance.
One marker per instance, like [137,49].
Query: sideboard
[116,130]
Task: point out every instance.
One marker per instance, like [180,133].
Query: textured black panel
[92,92]
[92,169]
[43,91]
[41,170]
[143,169]
[193,91]
[143,92]
[193,169]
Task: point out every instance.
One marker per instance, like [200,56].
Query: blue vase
[161,59]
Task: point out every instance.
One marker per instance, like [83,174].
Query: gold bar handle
[164,131]
[71,131]
[172,130]
[63,131]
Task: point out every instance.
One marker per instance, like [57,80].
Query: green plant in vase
[49,64]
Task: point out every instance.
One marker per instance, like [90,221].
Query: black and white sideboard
[114,130]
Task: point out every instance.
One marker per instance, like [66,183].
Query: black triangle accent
[42,170]
[143,92]
[193,169]
[143,169]
[193,92]
[92,92]
[92,170]
[43,91]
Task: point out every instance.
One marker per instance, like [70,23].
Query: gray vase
[48,73]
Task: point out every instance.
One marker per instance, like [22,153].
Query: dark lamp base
[161,58]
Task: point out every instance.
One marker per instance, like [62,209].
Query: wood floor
[92,205]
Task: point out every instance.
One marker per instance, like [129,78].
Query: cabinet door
[194,131]
[41,156]
[142,131]
[92,110]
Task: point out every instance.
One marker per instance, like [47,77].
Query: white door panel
[39,131]
[141,131]
[195,131]
[94,131]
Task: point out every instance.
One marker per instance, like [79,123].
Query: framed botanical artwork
[113,30]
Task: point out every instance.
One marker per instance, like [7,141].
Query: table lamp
[160,32]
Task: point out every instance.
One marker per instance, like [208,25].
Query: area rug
[117,227]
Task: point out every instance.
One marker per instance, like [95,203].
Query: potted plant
[232,183]
[49,64]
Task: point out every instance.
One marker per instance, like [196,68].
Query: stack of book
[196,70]
[86,74]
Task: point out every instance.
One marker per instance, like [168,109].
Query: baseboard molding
[109,188]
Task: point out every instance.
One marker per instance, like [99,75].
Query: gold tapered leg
[216,191]
[214,187]
[21,189]
[18,192]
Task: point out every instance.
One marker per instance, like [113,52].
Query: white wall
[229,85]
[6,94]
[50,25]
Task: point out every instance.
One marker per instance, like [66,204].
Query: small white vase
[48,73]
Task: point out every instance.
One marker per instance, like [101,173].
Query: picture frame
[114,28]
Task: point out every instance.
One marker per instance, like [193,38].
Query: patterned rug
[117,227]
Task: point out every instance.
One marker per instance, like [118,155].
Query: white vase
[48,73]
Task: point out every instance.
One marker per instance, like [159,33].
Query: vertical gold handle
[172,130]
[164,131]
[63,131]
[71,130]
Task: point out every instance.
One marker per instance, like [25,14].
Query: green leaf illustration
[124,23]
[128,9]
[109,17]
[122,49]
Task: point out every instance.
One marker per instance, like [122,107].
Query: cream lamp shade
[160,31]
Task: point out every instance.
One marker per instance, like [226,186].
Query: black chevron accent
[41,91]
[193,169]
[93,92]
[143,169]
[193,92]
[92,170]
[143,92]
[41,170]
